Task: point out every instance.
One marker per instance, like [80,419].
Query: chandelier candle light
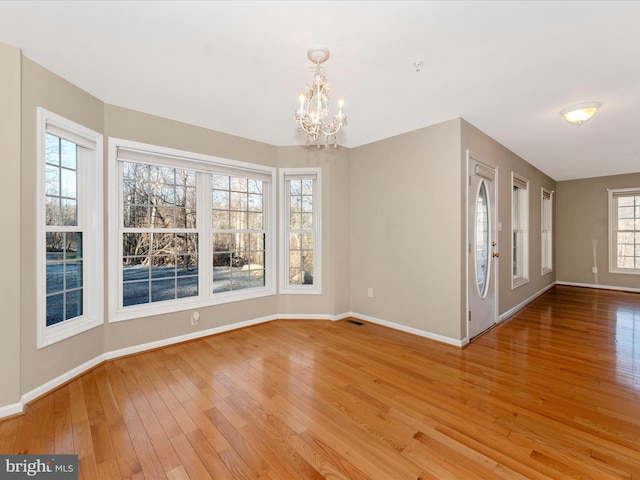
[314,105]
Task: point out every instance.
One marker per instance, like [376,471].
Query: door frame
[496,228]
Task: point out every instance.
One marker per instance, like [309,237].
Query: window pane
[52,180]
[68,183]
[64,275]
[52,149]
[221,219]
[220,199]
[160,197]
[68,154]
[135,293]
[55,309]
[55,277]
[187,287]
[136,216]
[162,290]
[73,304]
[73,275]
[239,184]
[162,258]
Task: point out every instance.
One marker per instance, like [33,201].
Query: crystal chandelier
[314,105]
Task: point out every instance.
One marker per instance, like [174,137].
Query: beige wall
[406,230]
[491,151]
[10,87]
[41,88]
[583,230]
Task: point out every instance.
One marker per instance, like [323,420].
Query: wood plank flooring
[553,393]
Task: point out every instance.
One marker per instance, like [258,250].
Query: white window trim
[523,184]
[90,219]
[201,163]
[548,193]
[284,286]
[613,217]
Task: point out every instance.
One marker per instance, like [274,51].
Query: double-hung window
[520,230]
[69,228]
[624,230]
[547,231]
[300,216]
[189,230]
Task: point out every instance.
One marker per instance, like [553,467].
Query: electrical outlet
[195,319]
[594,269]
[370,292]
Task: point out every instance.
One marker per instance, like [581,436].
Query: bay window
[190,230]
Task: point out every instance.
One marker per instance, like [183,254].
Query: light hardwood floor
[553,392]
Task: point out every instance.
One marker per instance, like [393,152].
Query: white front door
[483,248]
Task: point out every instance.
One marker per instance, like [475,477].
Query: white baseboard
[51,385]
[521,305]
[309,316]
[79,370]
[11,409]
[61,380]
[602,287]
[411,330]
[185,338]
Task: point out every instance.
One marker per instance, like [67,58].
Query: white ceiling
[507,67]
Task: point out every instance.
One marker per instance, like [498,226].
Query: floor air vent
[355,322]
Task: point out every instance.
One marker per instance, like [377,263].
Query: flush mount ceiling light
[314,105]
[578,114]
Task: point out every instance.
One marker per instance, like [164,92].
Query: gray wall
[10,92]
[583,228]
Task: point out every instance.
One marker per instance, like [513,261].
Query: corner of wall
[10,152]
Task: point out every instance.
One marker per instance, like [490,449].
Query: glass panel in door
[482,239]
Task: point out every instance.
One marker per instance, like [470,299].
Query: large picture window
[624,230]
[300,257]
[193,230]
[70,226]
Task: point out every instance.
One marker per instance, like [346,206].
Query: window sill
[518,282]
[160,308]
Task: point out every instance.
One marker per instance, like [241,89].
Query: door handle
[495,254]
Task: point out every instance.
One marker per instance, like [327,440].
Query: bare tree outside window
[159,244]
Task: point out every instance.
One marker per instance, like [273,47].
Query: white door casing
[483,254]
